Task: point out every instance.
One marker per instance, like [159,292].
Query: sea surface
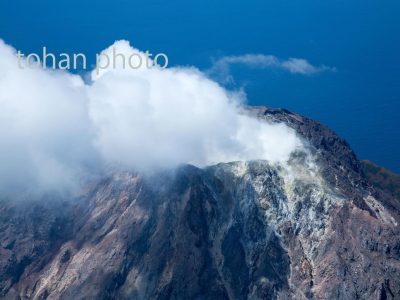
[361,39]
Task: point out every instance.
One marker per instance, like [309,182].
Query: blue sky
[361,39]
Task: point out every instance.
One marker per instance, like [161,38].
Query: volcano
[320,227]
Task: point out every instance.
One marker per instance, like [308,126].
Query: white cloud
[302,66]
[221,67]
[45,133]
[54,127]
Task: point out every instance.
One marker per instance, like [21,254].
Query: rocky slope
[314,229]
[382,179]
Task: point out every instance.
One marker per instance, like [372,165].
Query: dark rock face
[241,230]
[381,178]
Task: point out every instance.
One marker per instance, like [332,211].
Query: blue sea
[360,39]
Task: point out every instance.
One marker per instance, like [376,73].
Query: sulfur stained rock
[240,230]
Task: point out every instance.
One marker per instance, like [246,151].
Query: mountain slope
[381,178]
[314,229]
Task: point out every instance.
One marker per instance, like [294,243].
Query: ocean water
[361,39]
